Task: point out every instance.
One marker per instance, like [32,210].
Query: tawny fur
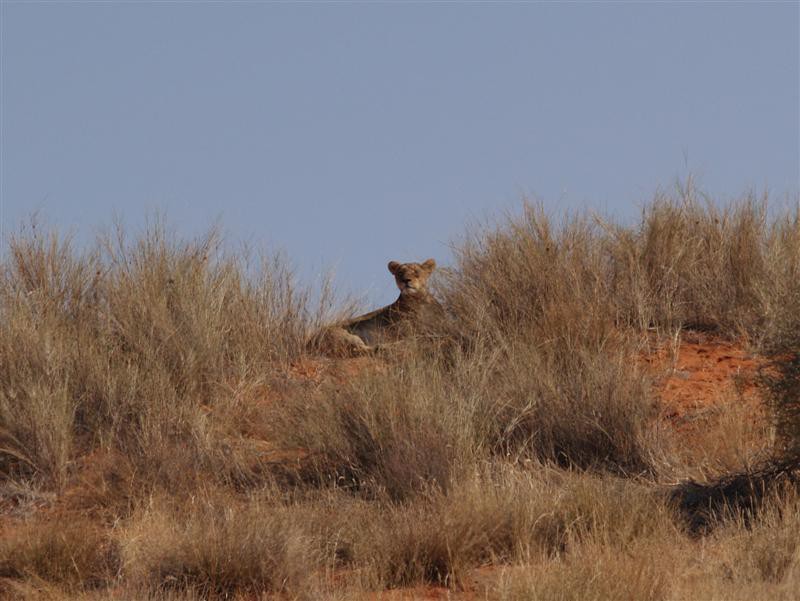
[375,330]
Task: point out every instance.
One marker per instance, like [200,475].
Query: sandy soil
[699,374]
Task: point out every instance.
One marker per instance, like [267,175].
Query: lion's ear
[394,266]
[430,264]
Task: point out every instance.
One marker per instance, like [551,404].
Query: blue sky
[349,134]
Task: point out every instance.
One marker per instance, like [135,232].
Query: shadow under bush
[740,496]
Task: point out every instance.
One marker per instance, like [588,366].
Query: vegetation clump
[166,431]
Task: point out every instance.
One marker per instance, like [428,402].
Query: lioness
[370,332]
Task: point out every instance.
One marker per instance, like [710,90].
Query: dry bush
[689,263]
[559,384]
[748,559]
[693,264]
[217,546]
[188,327]
[43,296]
[69,551]
[563,306]
[733,437]
[783,268]
[401,545]
[145,346]
[501,514]
[641,572]
[782,376]
[704,505]
[531,279]
[130,345]
[588,408]
[381,434]
[431,416]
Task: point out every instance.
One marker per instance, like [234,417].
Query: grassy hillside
[166,434]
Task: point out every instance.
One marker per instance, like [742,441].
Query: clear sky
[349,134]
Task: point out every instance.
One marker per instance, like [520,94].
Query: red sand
[702,373]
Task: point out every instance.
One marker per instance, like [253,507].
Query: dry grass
[689,263]
[746,559]
[782,379]
[129,347]
[732,437]
[499,514]
[149,393]
[217,547]
[379,434]
[596,573]
[69,551]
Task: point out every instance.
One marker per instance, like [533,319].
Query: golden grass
[70,551]
[150,397]
[217,547]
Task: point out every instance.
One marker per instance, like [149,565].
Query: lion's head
[412,278]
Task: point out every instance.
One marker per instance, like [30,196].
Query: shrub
[782,379]
[594,573]
[70,551]
[498,515]
[379,433]
[218,546]
[129,346]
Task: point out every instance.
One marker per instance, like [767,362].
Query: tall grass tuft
[218,547]
[131,345]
